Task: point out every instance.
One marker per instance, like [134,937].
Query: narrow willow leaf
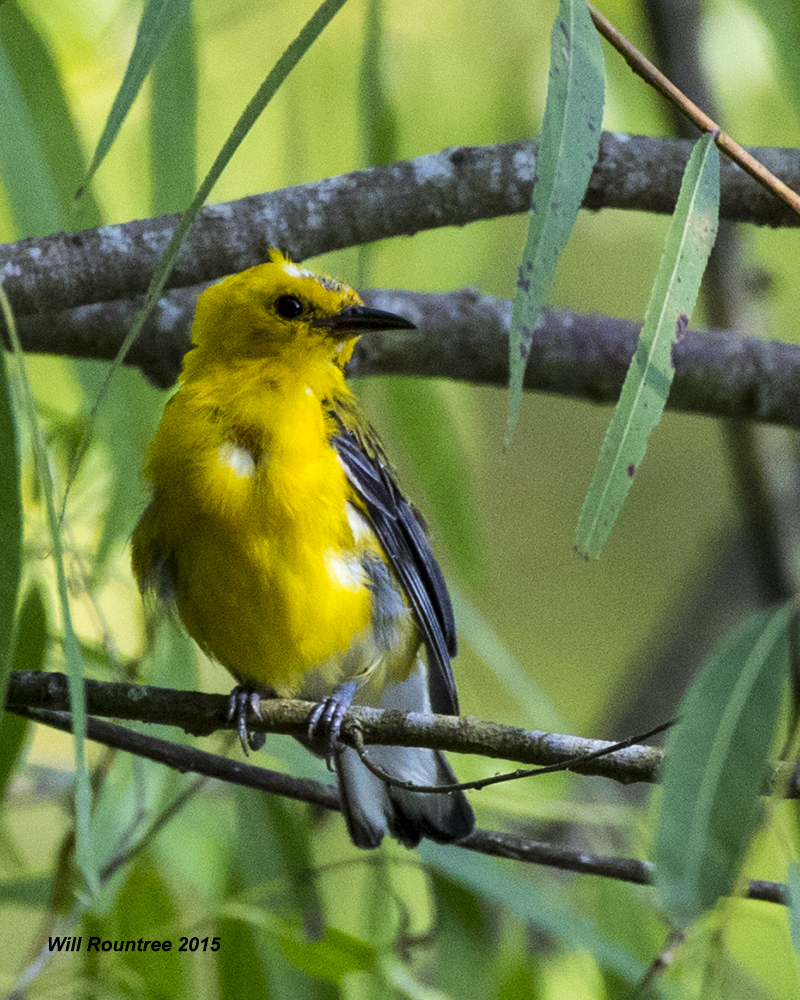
[332,958]
[29,654]
[27,890]
[568,148]
[716,762]
[10,529]
[690,238]
[159,21]
[51,162]
[531,902]
[173,122]
[143,906]
[40,154]
[278,833]
[377,118]
[72,655]
[27,181]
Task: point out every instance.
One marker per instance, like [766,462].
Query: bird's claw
[325,722]
[244,700]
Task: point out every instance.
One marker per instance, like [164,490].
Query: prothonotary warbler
[278,531]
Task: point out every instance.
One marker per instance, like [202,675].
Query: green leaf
[568,148]
[173,122]
[690,238]
[26,177]
[534,903]
[717,759]
[87,862]
[273,856]
[41,157]
[377,118]
[146,908]
[333,957]
[465,939]
[159,21]
[10,529]
[29,654]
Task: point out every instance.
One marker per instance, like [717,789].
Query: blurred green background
[547,641]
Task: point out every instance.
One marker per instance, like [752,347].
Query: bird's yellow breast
[266,536]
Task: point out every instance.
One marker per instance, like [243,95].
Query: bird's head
[279,310]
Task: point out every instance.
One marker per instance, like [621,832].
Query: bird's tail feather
[373,808]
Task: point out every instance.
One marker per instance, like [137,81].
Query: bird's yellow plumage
[277,530]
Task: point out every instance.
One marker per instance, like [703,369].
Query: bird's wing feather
[406,546]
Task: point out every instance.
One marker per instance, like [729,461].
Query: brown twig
[653,76]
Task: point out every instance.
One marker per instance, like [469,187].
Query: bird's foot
[245,700]
[325,723]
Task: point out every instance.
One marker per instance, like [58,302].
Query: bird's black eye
[289,306]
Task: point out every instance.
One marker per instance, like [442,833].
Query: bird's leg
[242,700]
[326,719]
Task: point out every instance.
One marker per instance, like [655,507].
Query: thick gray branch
[449,188]
[464,335]
[202,714]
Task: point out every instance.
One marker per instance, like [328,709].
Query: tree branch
[203,714]
[464,335]
[494,843]
[449,188]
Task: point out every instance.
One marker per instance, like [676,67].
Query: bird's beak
[355,320]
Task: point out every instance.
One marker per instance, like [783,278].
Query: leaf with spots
[690,238]
[568,148]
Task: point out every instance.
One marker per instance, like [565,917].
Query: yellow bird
[278,531]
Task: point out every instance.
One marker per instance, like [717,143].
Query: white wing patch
[359,525]
[239,459]
[345,570]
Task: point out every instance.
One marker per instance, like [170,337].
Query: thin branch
[449,188]
[494,843]
[577,764]
[653,76]
[191,760]
[203,714]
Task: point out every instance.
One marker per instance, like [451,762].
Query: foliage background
[548,641]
